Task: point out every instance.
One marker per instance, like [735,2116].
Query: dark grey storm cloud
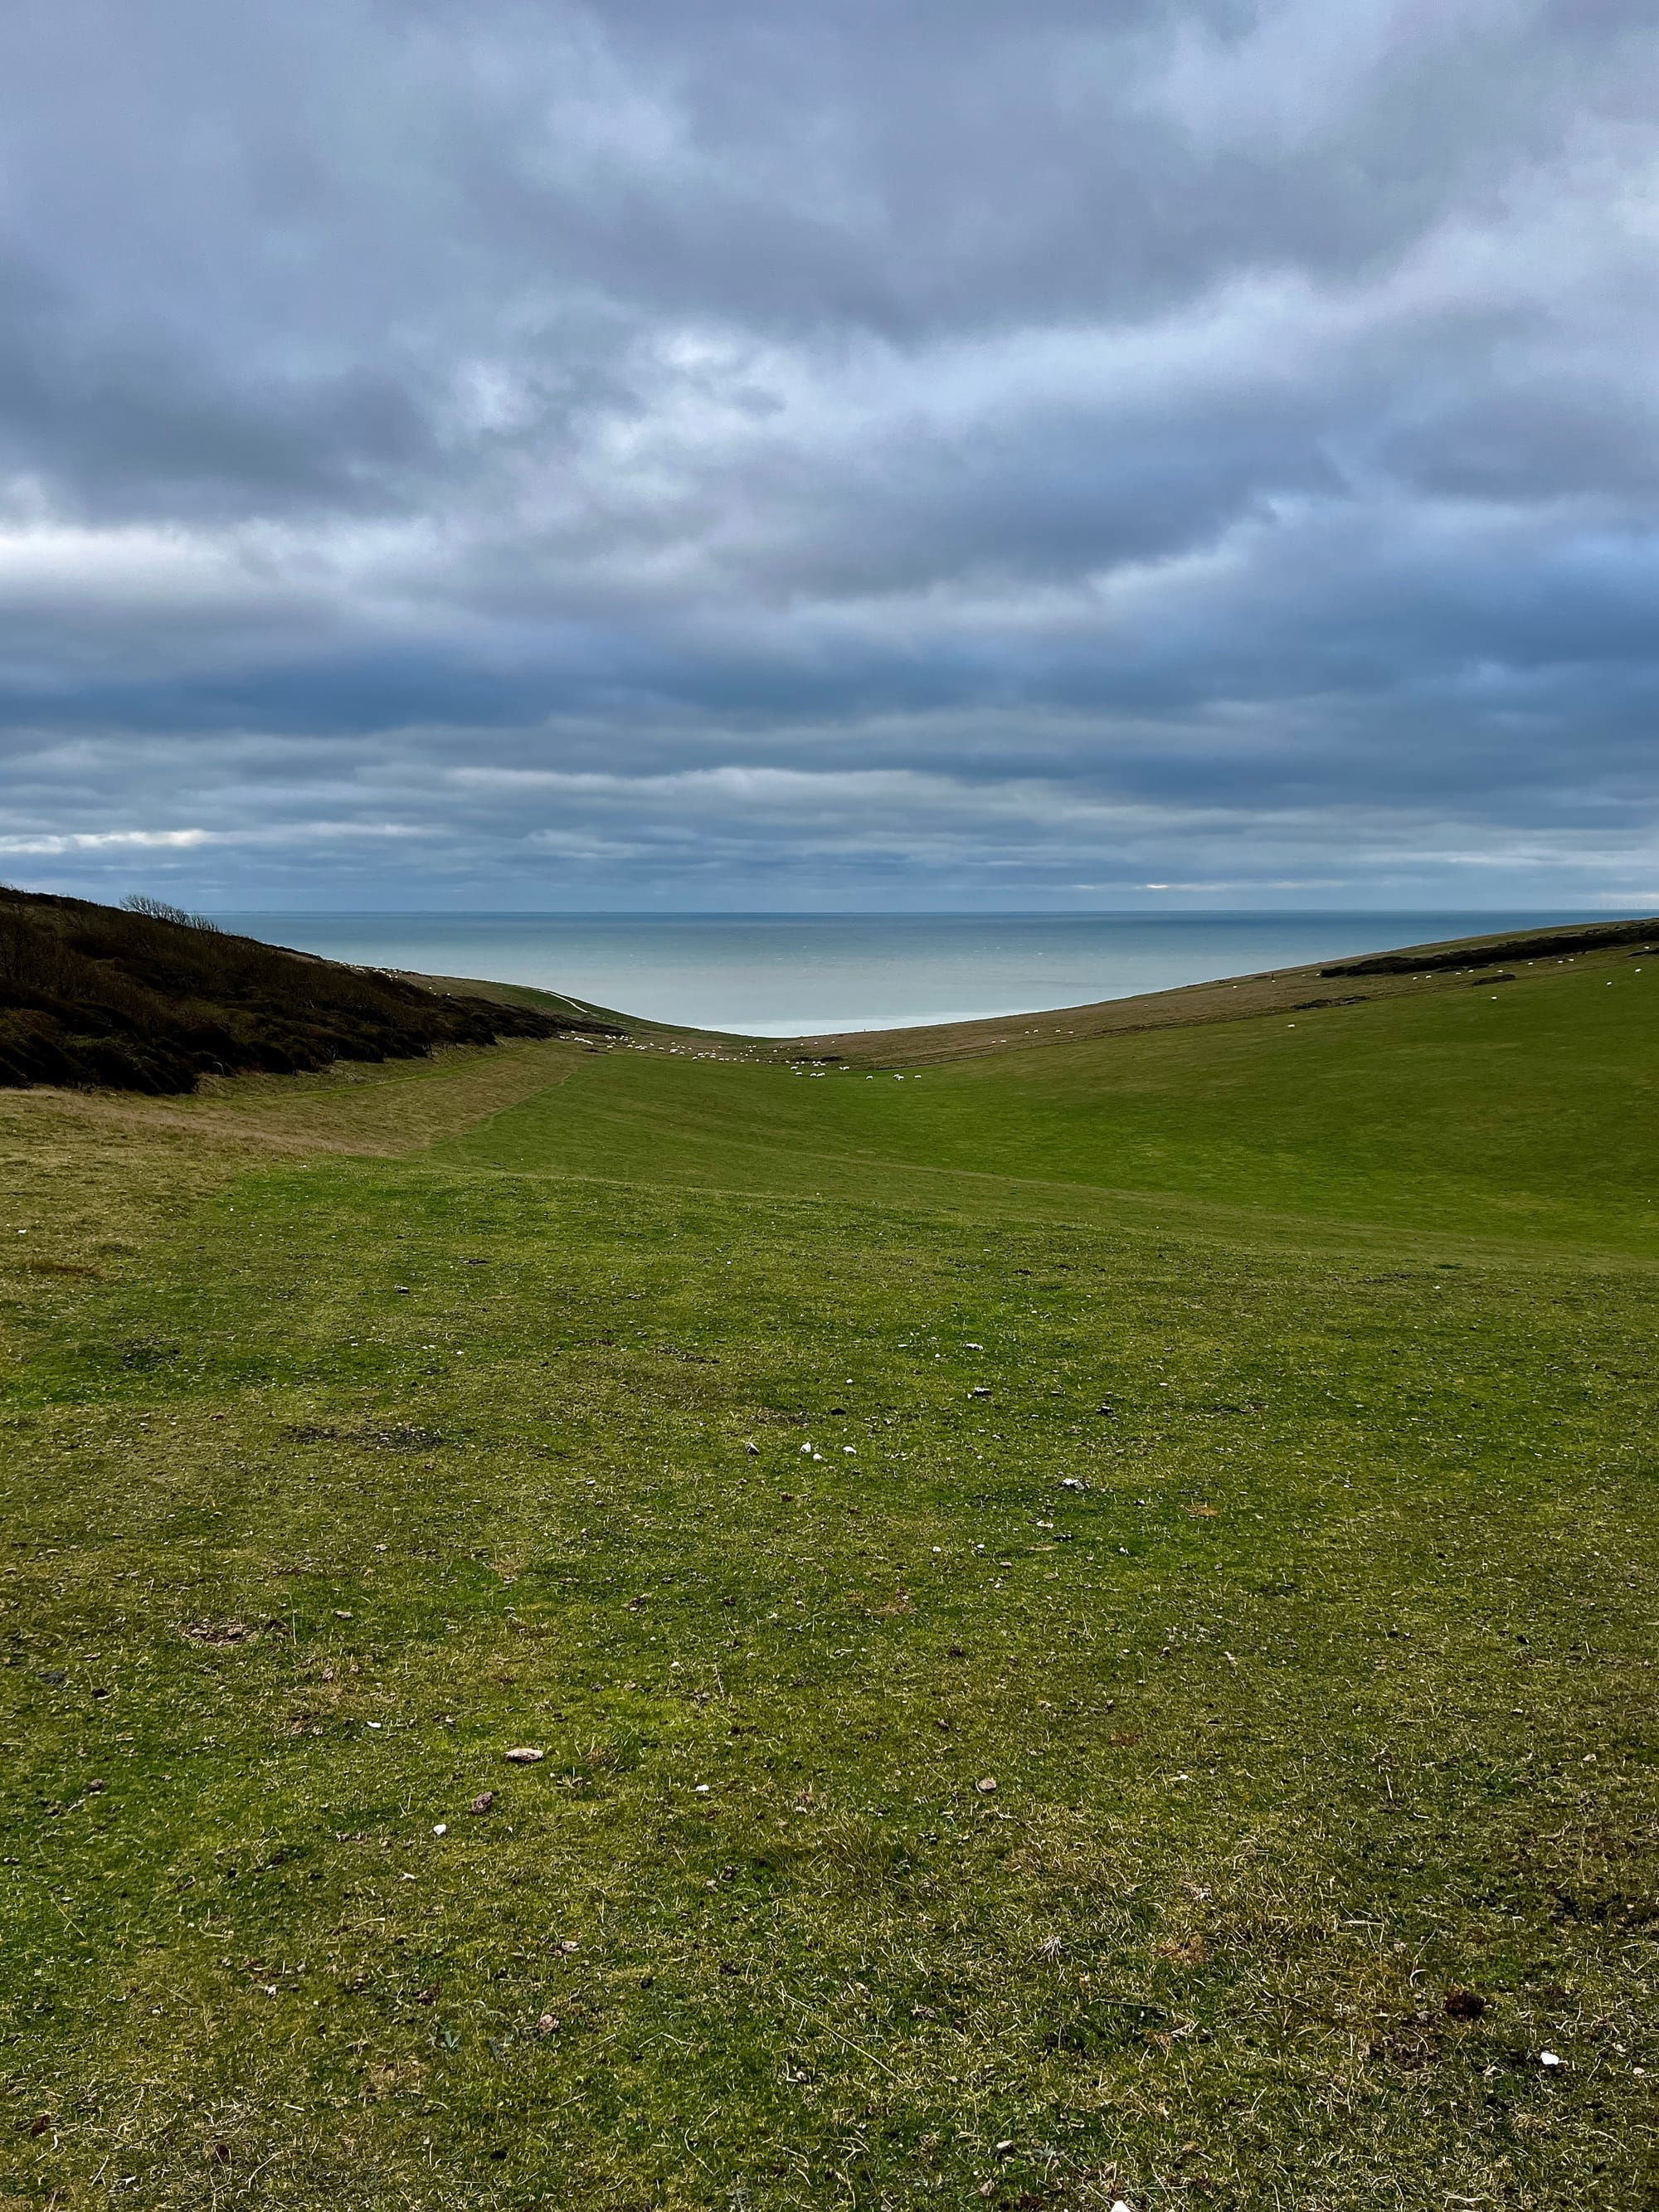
[767,453]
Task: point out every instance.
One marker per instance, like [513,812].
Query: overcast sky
[770,454]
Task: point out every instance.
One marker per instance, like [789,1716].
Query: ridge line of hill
[1389,974]
[147,998]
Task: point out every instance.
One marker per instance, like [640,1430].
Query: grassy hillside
[1414,971]
[1518,1111]
[1088,1617]
[146,998]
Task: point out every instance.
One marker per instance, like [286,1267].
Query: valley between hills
[1042,1613]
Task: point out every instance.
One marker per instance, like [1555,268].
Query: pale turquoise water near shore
[789,975]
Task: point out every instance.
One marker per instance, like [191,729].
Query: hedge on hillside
[1528,945]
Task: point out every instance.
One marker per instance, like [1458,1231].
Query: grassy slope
[1330,1696]
[558,1004]
[1520,1111]
[1413,972]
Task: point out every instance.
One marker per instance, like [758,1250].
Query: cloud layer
[519,453]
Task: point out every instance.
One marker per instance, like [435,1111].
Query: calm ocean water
[789,975]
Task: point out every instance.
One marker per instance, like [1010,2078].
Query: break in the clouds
[813,452]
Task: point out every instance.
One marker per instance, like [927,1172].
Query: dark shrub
[145,997]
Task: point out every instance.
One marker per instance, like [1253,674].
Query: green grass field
[1089,1616]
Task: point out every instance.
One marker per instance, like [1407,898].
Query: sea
[792,975]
